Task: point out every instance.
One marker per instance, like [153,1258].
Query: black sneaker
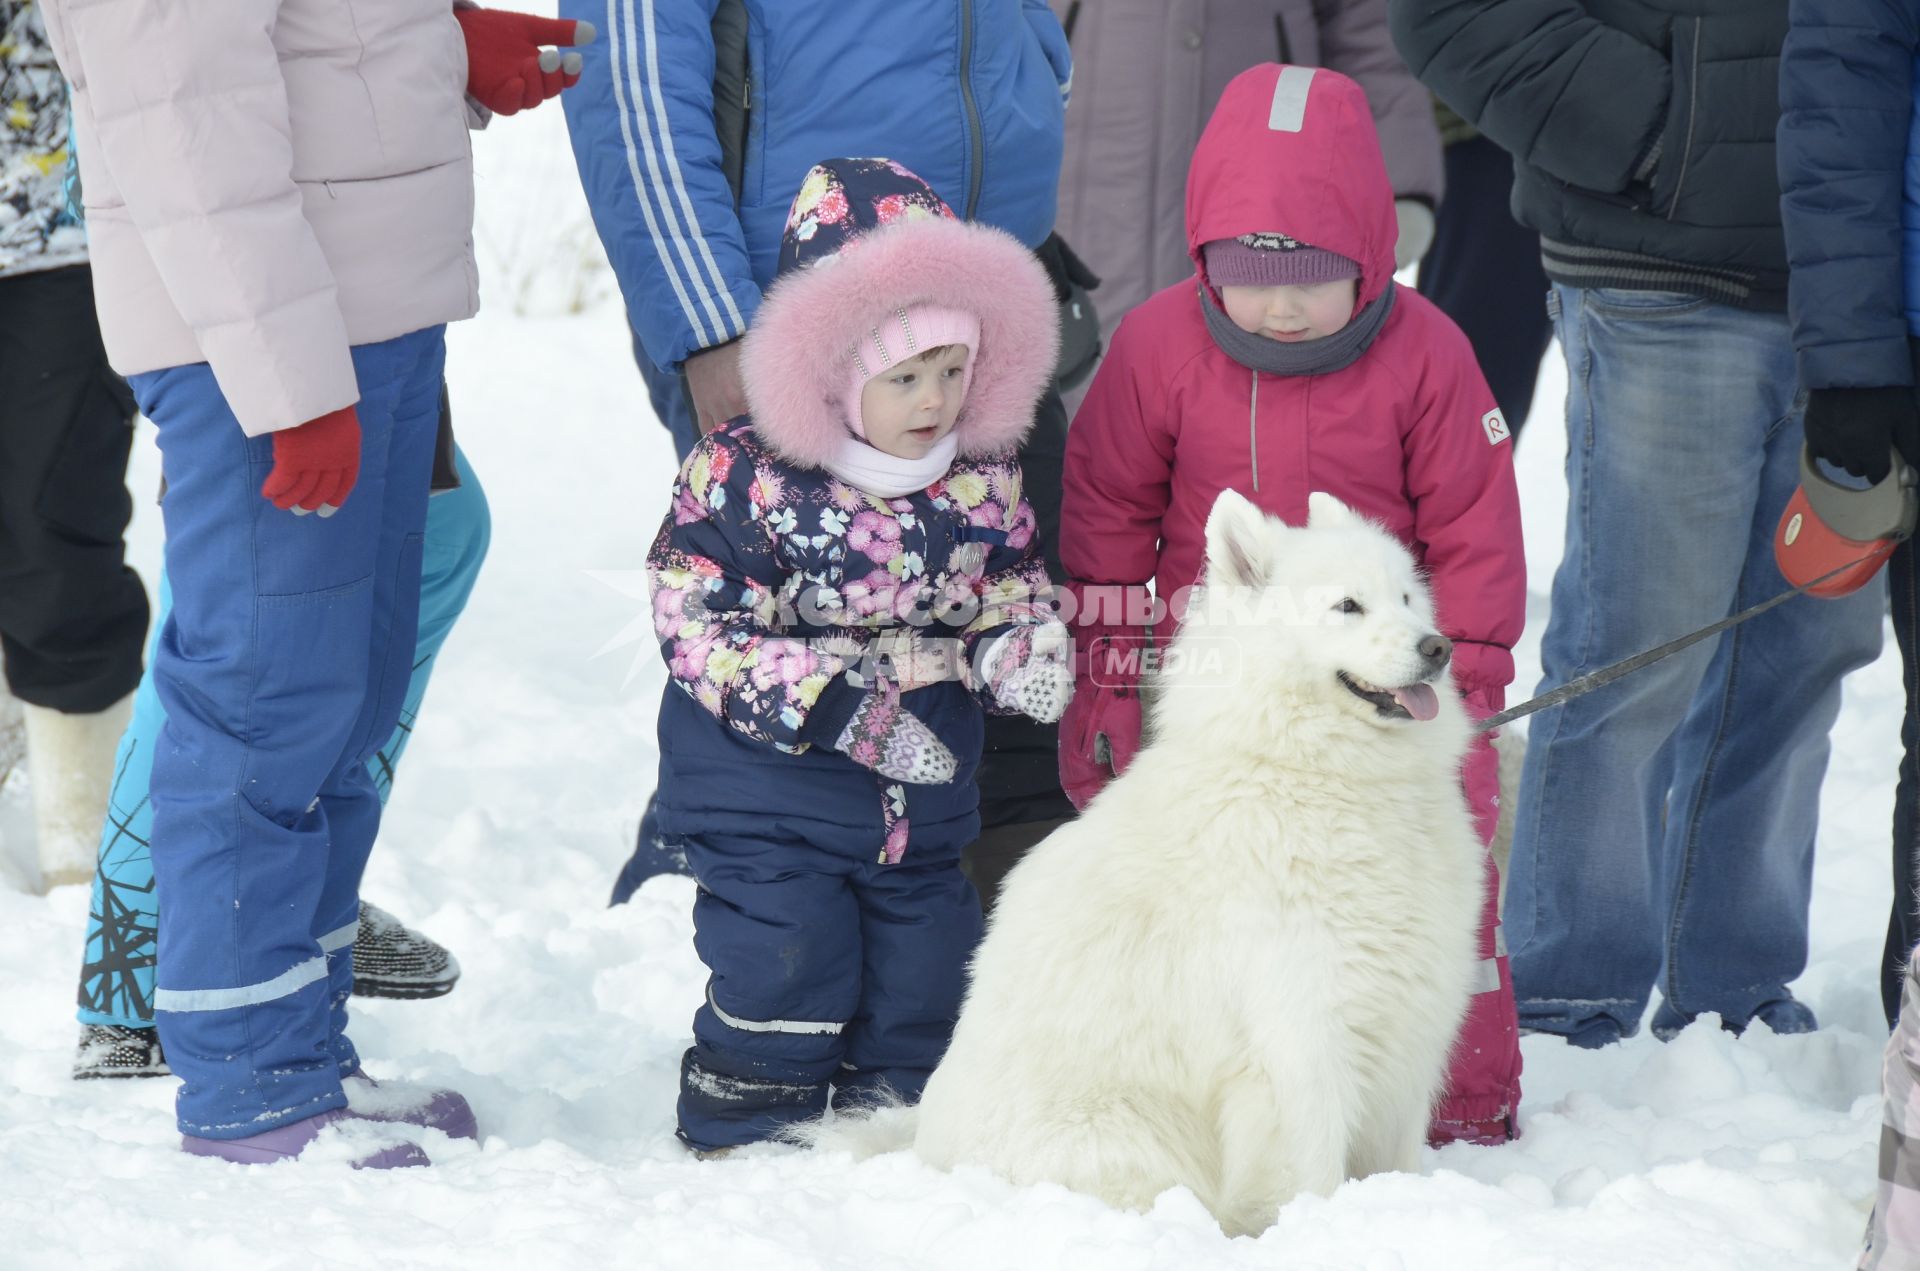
[110,1050]
[391,961]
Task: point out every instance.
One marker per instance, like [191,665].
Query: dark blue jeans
[667,393]
[653,854]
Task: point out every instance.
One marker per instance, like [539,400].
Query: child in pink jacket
[1291,363]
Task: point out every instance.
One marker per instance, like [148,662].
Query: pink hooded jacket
[268,183]
[1408,435]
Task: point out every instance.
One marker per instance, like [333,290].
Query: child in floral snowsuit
[846,579]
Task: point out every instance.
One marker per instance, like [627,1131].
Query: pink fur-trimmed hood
[847,262]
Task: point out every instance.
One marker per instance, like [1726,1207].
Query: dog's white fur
[1241,970]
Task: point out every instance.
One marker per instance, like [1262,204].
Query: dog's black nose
[1437,650]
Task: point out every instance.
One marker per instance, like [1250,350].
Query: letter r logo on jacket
[1496,425]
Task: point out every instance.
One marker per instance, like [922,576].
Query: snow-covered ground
[518,801]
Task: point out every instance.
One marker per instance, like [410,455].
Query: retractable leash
[1826,523]
[1832,539]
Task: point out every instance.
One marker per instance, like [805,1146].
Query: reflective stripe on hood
[1294,150]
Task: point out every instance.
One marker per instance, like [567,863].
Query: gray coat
[1146,76]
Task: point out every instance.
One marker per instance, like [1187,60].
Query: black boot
[389,960]
[113,1050]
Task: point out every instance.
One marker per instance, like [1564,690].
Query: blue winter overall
[281,669]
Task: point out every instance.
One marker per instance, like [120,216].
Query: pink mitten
[885,736]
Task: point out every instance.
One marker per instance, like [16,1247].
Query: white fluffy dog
[1242,968]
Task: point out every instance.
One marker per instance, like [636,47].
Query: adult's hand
[315,464]
[714,384]
[507,69]
[1857,428]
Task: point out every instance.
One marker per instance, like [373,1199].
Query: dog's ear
[1239,543]
[1324,512]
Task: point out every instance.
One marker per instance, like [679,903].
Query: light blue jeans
[1665,824]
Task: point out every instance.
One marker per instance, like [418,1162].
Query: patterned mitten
[1029,670]
[885,736]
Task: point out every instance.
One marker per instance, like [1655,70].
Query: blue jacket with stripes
[970,94]
[1850,185]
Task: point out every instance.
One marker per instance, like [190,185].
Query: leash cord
[1627,666]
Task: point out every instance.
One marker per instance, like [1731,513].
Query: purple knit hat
[1273,260]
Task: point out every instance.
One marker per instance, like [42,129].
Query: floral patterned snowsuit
[832,911]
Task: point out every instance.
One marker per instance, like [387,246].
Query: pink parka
[1408,435]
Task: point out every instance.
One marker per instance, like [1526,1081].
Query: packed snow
[518,801]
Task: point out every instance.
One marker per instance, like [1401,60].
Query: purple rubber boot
[444,1110]
[286,1142]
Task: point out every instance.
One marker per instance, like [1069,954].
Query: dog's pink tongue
[1419,700]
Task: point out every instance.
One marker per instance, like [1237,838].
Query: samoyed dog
[1241,970]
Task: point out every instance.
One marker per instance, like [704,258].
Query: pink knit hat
[907,333]
[1273,260]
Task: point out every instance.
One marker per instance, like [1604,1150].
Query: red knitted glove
[315,464]
[507,70]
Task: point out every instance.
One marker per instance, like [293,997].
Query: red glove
[315,464]
[507,70]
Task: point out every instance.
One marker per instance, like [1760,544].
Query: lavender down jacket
[1146,77]
[269,182]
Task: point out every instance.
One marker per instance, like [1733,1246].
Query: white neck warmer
[889,476]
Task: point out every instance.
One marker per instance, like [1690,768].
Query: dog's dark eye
[1349,605]
[1406,598]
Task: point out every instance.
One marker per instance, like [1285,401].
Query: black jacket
[1642,130]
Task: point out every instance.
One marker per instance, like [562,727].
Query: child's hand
[1099,736]
[1030,670]
[886,737]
